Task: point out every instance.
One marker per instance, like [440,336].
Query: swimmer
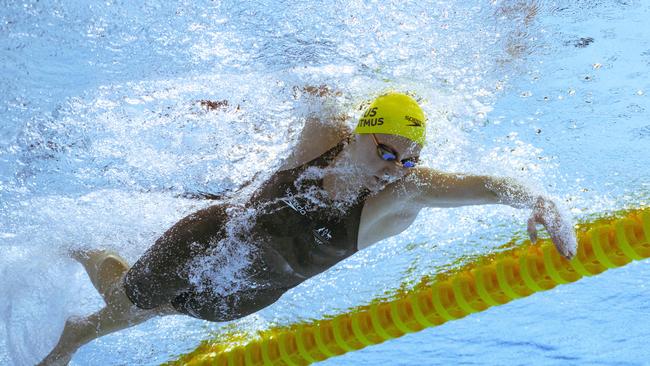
[338,192]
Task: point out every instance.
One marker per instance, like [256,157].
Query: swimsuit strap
[332,153]
[329,155]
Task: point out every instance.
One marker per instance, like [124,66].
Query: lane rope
[490,280]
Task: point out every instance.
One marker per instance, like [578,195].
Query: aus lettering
[370,112]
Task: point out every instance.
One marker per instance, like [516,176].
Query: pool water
[103,144]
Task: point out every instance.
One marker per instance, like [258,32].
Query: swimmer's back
[288,245]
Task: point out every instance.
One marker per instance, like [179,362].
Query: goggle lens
[408,164]
[388,154]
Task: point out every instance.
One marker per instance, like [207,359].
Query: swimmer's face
[387,158]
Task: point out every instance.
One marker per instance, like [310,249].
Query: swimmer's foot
[65,348]
[105,269]
[117,315]
[55,359]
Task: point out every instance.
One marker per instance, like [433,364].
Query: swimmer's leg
[154,280]
[105,270]
[118,314]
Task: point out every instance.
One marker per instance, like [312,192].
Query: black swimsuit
[296,233]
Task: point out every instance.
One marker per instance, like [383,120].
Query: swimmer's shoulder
[317,137]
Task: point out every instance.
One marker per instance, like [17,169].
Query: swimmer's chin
[376,184]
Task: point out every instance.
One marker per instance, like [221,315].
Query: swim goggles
[387,153]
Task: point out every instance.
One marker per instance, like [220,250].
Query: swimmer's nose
[389,174]
[393,170]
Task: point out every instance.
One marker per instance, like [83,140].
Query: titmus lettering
[365,122]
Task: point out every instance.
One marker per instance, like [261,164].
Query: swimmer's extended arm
[439,189]
[431,188]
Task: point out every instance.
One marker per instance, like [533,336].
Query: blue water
[102,140]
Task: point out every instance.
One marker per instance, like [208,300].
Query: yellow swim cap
[394,114]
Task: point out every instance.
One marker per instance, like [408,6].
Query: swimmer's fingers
[216,105]
[532,229]
[316,91]
[563,236]
[559,229]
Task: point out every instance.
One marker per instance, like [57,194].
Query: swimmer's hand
[216,105]
[315,91]
[559,228]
